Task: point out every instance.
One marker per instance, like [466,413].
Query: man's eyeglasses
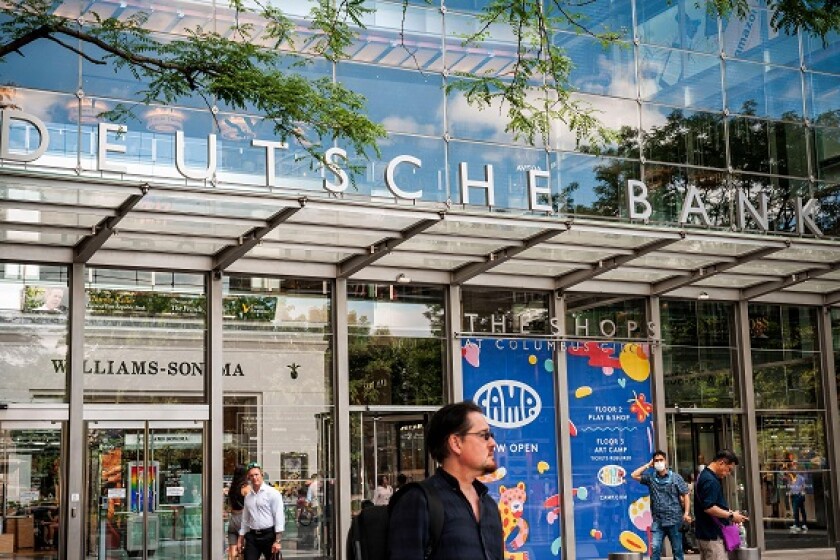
[487,435]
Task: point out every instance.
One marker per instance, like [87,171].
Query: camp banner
[512,380]
[611,425]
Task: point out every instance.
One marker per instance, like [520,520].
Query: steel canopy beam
[791,280]
[102,231]
[468,271]
[703,272]
[354,264]
[568,280]
[230,254]
[832,297]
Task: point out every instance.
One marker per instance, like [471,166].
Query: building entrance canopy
[60,219]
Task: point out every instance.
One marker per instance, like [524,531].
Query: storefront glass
[699,354]
[504,312]
[396,344]
[791,425]
[146,490]
[144,336]
[33,333]
[278,397]
[604,317]
[30,489]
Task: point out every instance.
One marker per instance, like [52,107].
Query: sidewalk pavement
[809,554]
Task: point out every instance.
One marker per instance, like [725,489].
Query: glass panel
[30,487]
[821,91]
[677,136]
[397,344]
[505,312]
[821,53]
[785,354]
[699,354]
[384,87]
[599,69]
[619,115]
[510,167]
[682,24]
[591,185]
[615,16]
[144,336]
[33,317]
[410,38]
[680,78]
[827,155]
[753,38]
[781,212]
[668,185]
[795,480]
[768,147]
[146,492]
[278,395]
[589,315]
[763,90]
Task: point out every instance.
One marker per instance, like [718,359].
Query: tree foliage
[246,66]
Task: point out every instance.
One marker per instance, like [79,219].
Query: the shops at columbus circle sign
[537,180]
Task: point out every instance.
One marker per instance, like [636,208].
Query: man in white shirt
[263,520]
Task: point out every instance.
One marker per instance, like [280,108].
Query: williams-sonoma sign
[335,179]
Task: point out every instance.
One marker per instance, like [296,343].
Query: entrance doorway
[693,441]
[390,444]
[146,490]
[30,486]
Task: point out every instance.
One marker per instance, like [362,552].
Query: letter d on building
[637,194]
[6,117]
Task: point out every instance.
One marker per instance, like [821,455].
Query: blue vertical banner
[512,380]
[611,430]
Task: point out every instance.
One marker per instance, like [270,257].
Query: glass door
[30,485]
[146,490]
[387,445]
[693,441]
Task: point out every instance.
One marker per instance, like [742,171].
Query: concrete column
[454,389]
[342,417]
[755,500]
[564,449]
[74,470]
[212,543]
[658,368]
[832,420]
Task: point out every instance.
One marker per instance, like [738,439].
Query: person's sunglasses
[253,465]
[486,434]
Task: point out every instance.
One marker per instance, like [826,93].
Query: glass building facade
[185,295]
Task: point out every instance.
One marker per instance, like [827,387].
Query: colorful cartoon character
[552,504]
[639,407]
[514,528]
[634,361]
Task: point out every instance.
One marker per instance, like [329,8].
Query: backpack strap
[435,517]
[435,511]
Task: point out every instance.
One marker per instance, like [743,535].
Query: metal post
[341,389]
[755,499]
[832,407]
[658,367]
[454,390]
[212,544]
[76,442]
[564,451]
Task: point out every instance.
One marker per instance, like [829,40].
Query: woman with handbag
[239,488]
[715,525]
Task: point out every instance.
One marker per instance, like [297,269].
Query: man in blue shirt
[460,440]
[710,504]
[668,503]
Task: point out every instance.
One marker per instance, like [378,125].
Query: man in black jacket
[711,508]
[460,440]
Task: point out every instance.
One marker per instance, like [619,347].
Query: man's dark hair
[726,456]
[659,453]
[451,419]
